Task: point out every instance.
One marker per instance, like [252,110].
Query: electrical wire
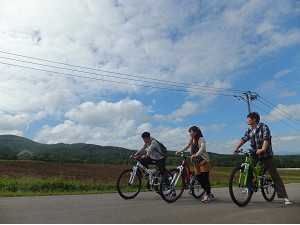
[275,117]
[114,81]
[281,112]
[109,76]
[127,76]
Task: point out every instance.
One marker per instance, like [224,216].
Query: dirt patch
[67,171]
[84,172]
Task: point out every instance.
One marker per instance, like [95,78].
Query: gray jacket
[154,148]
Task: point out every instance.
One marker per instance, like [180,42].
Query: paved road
[148,207]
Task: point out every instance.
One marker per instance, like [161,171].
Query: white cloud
[186,109]
[107,113]
[283,73]
[282,112]
[287,94]
[205,43]
[15,123]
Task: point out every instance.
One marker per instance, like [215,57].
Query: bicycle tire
[239,193]
[171,192]
[126,190]
[267,189]
[196,189]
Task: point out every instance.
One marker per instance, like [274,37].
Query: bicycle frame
[149,171]
[256,171]
[184,168]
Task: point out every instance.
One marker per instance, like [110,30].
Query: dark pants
[269,163]
[203,179]
[161,164]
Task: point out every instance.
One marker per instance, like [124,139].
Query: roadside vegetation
[22,178]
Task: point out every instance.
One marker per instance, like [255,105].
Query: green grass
[57,186]
[34,186]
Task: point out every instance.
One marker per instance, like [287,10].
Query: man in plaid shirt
[261,148]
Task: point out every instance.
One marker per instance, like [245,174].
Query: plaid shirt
[257,138]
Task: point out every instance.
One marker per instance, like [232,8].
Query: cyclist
[154,153]
[200,158]
[261,148]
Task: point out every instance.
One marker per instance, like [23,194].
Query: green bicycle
[242,183]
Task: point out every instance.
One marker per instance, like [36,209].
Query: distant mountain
[11,145]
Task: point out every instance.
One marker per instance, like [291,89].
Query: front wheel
[172,185]
[129,184]
[267,186]
[240,186]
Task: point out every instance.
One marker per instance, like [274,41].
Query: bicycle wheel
[267,186]
[127,189]
[172,185]
[239,192]
[196,189]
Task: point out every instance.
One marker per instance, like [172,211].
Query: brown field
[84,172]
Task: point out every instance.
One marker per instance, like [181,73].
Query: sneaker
[287,202]
[212,197]
[206,198]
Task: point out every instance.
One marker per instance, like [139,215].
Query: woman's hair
[197,136]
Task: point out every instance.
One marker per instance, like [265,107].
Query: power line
[287,116]
[127,76]
[254,96]
[276,117]
[114,81]
[110,76]
[150,82]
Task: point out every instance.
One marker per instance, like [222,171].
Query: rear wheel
[267,186]
[240,189]
[172,185]
[128,184]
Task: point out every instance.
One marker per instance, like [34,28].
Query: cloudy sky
[102,72]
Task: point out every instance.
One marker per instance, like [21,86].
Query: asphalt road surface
[148,207]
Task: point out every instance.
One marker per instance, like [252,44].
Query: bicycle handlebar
[182,155]
[242,151]
[137,157]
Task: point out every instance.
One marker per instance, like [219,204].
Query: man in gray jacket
[154,153]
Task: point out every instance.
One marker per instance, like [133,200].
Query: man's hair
[145,135]
[254,115]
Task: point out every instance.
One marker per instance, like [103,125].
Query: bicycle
[242,183]
[176,180]
[129,182]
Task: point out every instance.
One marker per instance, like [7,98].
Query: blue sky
[103,72]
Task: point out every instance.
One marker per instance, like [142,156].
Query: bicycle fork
[246,169]
[132,174]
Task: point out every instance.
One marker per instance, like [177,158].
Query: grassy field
[19,178]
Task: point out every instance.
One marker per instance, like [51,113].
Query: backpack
[164,150]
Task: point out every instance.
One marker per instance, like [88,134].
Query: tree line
[216,160]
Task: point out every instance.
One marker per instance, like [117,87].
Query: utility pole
[249,96]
